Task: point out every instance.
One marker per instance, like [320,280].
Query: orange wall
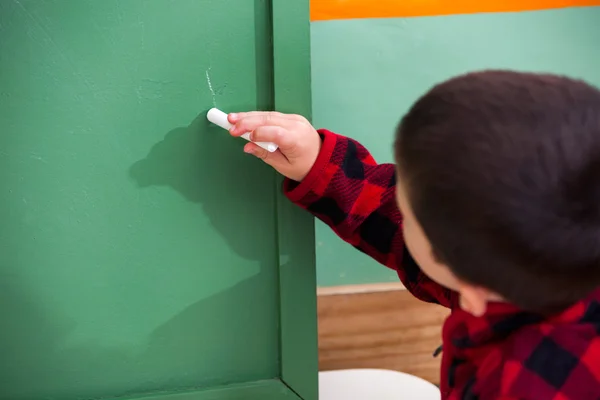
[322,10]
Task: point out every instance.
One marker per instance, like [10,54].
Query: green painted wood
[366,74]
[291,50]
[139,245]
[261,390]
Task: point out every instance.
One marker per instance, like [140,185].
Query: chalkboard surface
[138,243]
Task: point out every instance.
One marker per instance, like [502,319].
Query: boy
[492,210]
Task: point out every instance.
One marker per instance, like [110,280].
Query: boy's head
[500,188]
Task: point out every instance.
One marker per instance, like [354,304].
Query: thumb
[275,159]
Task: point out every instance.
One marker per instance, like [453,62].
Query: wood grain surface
[373,328]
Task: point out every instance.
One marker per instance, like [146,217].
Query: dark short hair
[502,171]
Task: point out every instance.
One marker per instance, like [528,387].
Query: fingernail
[233,116]
[248,151]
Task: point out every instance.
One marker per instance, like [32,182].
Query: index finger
[248,122]
[235,117]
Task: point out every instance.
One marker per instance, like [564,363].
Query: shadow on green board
[190,349]
[202,163]
[206,166]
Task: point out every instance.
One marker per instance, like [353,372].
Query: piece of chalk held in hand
[219,118]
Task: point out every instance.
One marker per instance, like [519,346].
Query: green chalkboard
[140,248]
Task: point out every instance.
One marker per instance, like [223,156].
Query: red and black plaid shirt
[507,354]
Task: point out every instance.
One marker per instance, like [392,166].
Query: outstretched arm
[356,197]
[338,181]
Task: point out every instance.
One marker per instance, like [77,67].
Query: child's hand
[299,143]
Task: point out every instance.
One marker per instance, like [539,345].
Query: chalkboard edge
[272,389]
[295,227]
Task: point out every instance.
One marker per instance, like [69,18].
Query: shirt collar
[464,331]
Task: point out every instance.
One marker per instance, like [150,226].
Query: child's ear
[473,299]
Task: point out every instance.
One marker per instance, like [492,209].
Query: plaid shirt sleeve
[355,196]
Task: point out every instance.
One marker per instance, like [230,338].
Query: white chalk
[219,118]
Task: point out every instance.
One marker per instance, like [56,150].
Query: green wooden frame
[291,62]
[298,379]
[273,389]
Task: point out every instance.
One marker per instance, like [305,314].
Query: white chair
[374,384]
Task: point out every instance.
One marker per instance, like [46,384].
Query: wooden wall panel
[387,329]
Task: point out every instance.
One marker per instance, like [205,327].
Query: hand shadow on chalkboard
[207,166]
[230,334]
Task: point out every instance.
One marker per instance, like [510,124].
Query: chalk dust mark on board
[142,26]
[38,158]
[210,87]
